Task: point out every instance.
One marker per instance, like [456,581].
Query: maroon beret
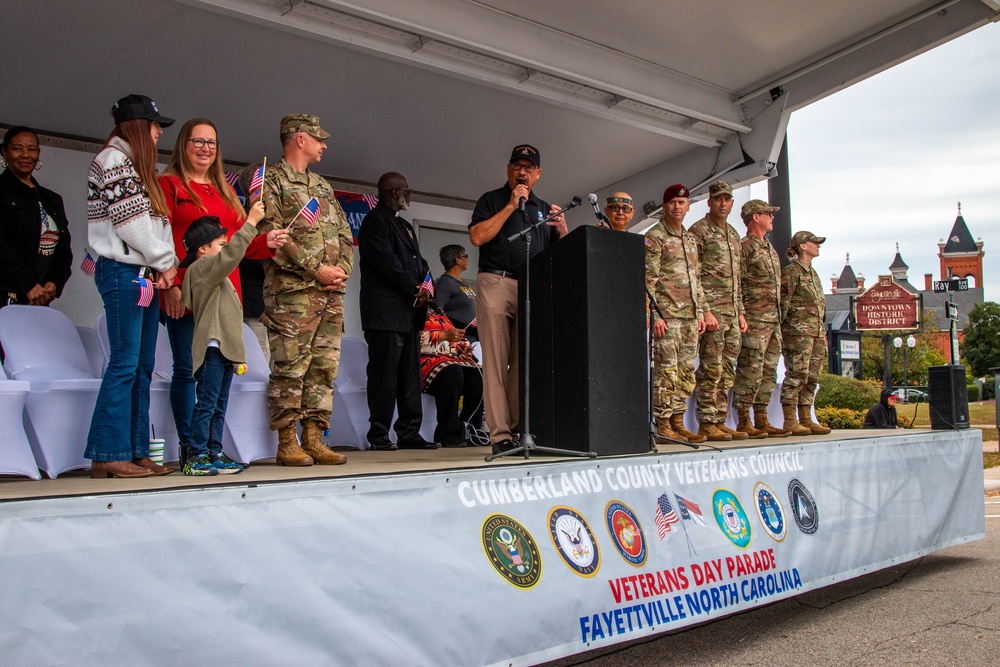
[676,190]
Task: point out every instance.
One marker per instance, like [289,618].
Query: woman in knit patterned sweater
[130,232]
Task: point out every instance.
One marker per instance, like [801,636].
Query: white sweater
[122,225]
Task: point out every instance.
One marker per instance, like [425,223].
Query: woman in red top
[449,372]
[194,185]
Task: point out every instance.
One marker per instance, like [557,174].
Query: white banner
[496,565]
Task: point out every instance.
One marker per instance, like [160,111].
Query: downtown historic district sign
[886,305]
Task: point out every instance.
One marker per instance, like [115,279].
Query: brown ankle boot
[760,417]
[805,418]
[733,433]
[312,444]
[746,426]
[664,434]
[677,424]
[792,423]
[713,433]
[289,452]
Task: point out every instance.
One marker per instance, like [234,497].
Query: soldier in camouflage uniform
[803,335]
[672,278]
[719,254]
[760,348]
[304,294]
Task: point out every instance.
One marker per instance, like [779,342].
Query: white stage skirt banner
[501,565]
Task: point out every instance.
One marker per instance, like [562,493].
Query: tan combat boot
[805,418]
[733,433]
[677,424]
[745,425]
[760,418]
[289,452]
[312,444]
[792,423]
[664,434]
[713,433]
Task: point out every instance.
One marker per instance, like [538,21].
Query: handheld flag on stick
[473,324]
[309,212]
[145,289]
[88,265]
[428,283]
[257,182]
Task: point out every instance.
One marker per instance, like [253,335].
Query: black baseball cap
[202,231]
[526,152]
[138,107]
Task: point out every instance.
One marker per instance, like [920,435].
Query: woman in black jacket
[35,254]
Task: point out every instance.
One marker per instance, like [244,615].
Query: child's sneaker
[199,465]
[225,465]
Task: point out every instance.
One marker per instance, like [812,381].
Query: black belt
[498,272]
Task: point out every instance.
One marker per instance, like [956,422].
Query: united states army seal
[512,550]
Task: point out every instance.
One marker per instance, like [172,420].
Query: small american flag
[428,283]
[664,516]
[145,289]
[689,511]
[233,178]
[88,265]
[473,324]
[371,200]
[257,182]
[310,211]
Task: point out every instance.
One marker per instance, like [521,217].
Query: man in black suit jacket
[393,309]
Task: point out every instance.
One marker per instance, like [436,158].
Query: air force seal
[803,507]
[574,541]
[626,533]
[731,518]
[512,551]
[769,511]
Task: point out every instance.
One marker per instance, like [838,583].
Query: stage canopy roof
[634,95]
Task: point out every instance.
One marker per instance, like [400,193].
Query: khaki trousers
[496,312]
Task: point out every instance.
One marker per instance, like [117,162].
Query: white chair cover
[15,450]
[247,436]
[88,337]
[44,349]
[350,396]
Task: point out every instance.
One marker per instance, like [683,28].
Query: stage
[438,558]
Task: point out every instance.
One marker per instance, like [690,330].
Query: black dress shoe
[454,442]
[420,443]
[503,446]
[386,446]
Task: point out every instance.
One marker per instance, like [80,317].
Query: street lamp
[911,342]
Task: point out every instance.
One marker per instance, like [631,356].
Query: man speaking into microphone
[498,215]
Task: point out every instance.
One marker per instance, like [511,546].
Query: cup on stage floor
[156,450]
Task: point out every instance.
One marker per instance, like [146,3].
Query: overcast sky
[888,159]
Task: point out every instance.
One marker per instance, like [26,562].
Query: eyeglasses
[212,144]
[463,257]
[526,167]
[624,208]
[406,191]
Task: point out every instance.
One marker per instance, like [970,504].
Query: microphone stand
[527,445]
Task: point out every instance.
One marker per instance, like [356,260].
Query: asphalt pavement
[942,609]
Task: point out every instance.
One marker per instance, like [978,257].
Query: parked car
[911,395]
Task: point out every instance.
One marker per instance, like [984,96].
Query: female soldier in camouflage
[803,336]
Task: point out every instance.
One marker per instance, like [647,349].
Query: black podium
[588,371]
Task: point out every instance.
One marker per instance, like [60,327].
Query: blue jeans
[214,378]
[182,391]
[119,429]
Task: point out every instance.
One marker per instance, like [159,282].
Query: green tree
[981,344]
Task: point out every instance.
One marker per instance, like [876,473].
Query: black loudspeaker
[949,399]
[588,388]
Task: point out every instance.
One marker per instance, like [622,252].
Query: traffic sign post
[952,285]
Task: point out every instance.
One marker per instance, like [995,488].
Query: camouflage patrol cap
[757,206]
[303,122]
[804,237]
[720,188]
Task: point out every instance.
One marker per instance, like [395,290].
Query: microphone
[522,201]
[603,219]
